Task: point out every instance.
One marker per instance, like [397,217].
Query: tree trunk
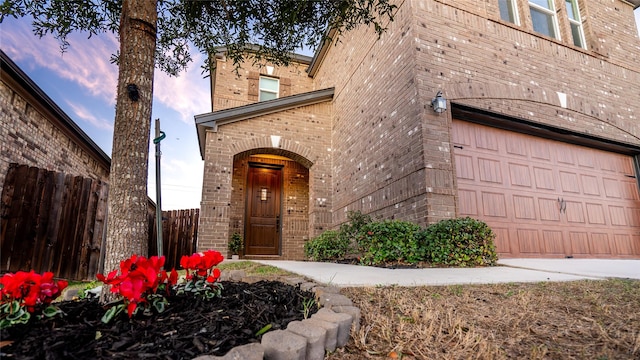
[127,231]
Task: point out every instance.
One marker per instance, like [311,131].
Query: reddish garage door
[546,198]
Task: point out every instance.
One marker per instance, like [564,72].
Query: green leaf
[264,330]
[51,311]
[112,313]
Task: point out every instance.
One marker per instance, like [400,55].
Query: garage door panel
[490,170]
[623,244]
[565,155]
[494,205]
[547,198]
[519,175]
[618,216]
[486,140]
[590,185]
[599,244]
[524,207]
[464,167]
[595,214]
[574,212]
[549,209]
[630,190]
[634,218]
[586,159]
[612,188]
[540,151]
[553,243]
[514,146]
[579,243]
[528,242]
[544,178]
[467,202]
[569,182]
[502,243]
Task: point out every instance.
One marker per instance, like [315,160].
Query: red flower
[201,263]
[30,289]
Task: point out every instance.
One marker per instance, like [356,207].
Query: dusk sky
[82,82]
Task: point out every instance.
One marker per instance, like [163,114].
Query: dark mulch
[186,329]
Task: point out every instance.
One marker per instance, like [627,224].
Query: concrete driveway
[509,270]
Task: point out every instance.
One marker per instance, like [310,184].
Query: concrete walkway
[509,270]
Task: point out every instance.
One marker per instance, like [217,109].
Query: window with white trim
[543,17]
[269,88]
[573,12]
[509,11]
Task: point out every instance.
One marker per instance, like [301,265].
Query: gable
[216,118]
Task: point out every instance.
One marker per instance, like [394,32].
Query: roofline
[214,119]
[12,70]
[634,3]
[303,59]
[321,52]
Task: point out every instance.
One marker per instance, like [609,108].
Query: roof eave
[216,118]
[13,70]
[634,3]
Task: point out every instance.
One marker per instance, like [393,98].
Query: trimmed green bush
[328,246]
[351,231]
[390,241]
[459,242]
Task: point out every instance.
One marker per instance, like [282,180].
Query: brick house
[541,137]
[36,132]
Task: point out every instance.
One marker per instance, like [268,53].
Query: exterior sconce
[438,103]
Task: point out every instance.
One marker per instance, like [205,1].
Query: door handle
[563,206]
[277,223]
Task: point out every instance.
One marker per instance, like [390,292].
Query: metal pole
[159,136]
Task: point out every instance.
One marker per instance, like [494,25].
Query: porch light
[438,103]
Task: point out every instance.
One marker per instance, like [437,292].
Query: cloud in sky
[187,94]
[89,116]
[86,62]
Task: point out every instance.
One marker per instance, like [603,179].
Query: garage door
[545,198]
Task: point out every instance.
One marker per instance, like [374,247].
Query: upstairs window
[269,88]
[543,17]
[576,23]
[509,11]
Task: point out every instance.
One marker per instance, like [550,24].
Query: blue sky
[82,82]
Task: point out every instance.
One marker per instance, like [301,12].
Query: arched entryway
[270,203]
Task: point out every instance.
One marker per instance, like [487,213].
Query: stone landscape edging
[309,339]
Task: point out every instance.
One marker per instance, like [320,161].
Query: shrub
[352,230]
[390,240]
[459,242]
[235,244]
[328,246]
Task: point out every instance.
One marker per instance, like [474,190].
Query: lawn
[565,320]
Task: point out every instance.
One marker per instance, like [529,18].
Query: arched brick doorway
[270,203]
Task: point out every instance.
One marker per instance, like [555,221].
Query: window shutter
[285,87]
[254,83]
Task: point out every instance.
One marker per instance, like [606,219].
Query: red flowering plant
[140,283]
[27,293]
[202,276]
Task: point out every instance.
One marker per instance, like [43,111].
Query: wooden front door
[264,187]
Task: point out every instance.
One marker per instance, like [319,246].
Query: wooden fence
[55,222]
[179,235]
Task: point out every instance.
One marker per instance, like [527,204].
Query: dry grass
[567,320]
